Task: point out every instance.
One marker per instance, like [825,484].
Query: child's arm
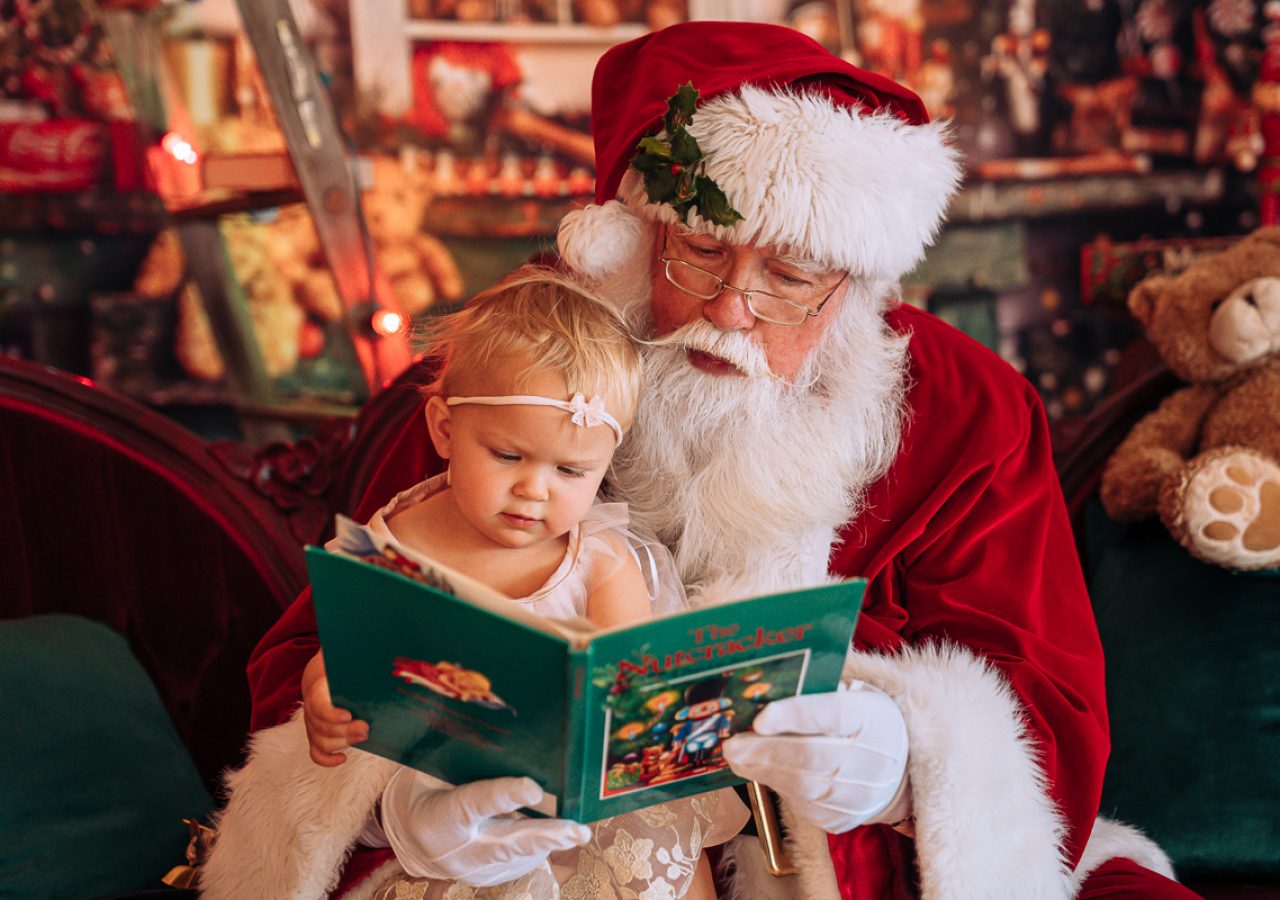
[618,595]
[330,730]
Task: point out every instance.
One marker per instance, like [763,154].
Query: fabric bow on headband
[582,412]
[585,413]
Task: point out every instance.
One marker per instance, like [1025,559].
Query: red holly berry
[676,168]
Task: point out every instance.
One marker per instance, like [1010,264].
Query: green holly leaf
[672,167]
[648,162]
[684,148]
[660,185]
[713,205]
[680,107]
[655,147]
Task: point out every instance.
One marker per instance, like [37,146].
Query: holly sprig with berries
[673,166]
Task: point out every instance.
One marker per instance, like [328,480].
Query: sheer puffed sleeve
[609,542]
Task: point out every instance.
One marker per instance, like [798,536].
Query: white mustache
[732,346]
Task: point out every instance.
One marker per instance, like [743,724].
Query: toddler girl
[537,384]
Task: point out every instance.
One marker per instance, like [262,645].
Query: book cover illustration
[669,731]
[450,680]
[463,683]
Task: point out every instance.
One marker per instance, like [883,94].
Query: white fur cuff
[985,825]
[290,824]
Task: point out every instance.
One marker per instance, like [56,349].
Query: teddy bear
[420,268]
[277,318]
[280,264]
[1207,461]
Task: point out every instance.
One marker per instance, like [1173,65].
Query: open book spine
[576,739]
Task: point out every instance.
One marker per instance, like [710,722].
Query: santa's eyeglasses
[764,305]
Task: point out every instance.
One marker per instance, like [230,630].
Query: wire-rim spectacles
[784,310]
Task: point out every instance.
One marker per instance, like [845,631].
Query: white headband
[583,413]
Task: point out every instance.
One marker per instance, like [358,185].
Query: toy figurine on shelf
[658,14]
[456,87]
[1019,57]
[46,51]
[889,37]
[1101,116]
[1227,128]
[936,81]
[816,19]
[1156,47]
[1266,100]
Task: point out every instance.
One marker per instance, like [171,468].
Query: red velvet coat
[965,541]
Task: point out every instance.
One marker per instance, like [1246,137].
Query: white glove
[466,833]
[838,759]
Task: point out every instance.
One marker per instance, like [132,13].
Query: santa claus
[797,423]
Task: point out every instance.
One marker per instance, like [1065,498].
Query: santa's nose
[729,310]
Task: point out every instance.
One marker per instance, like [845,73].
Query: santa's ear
[439,425]
[1145,296]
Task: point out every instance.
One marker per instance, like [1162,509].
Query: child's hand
[329,729]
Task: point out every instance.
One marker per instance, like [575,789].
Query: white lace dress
[644,855]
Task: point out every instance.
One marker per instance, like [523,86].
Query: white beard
[749,480]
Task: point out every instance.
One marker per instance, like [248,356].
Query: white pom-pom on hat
[599,240]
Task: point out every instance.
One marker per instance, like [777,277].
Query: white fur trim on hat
[859,192]
[1114,840]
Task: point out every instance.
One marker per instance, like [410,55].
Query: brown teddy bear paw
[1225,509]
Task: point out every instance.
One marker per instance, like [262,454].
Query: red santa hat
[835,163]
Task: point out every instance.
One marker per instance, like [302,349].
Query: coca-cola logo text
[73,144]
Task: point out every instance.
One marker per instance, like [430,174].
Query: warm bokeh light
[179,149]
[386,323]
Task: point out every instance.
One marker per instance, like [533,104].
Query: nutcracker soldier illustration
[702,724]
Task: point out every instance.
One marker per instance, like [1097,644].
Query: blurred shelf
[214,204]
[991,201]
[98,211]
[522,33]
[109,212]
[497,216]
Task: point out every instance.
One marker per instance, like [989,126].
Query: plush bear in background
[1208,459]
[282,270]
[420,268]
[278,320]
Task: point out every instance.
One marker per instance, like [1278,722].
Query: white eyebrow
[804,264]
[811,266]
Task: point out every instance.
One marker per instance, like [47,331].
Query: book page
[360,542]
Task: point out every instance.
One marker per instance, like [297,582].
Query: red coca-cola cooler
[65,155]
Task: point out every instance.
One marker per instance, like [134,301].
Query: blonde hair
[547,322]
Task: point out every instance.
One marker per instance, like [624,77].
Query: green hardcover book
[607,721]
